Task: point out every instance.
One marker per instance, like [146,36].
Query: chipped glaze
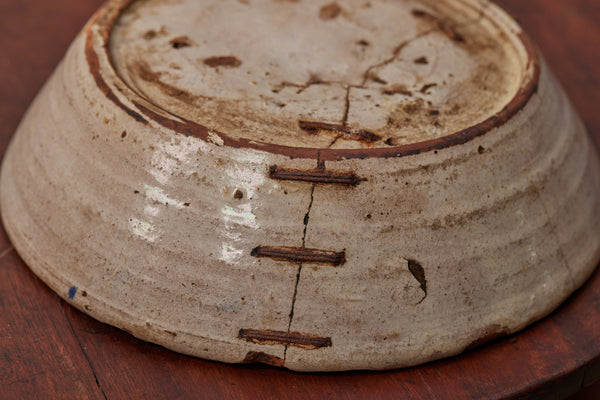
[320,186]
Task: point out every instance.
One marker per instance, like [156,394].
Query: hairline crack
[365,77]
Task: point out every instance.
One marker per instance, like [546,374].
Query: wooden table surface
[48,350]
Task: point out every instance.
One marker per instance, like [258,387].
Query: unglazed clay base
[310,184]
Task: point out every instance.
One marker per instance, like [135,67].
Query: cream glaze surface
[241,254]
[397,69]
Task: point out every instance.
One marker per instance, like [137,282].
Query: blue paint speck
[72,292]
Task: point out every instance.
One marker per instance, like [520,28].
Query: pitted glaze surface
[348,74]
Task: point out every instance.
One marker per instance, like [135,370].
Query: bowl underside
[314,185]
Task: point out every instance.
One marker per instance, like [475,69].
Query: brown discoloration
[413,107]
[303,340]
[427,86]
[151,34]
[222,61]
[104,21]
[123,134]
[314,79]
[94,65]
[440,24]
[376,78]
[348,133]
[263,358]
[361,135]
[421,60]
[314,176]
[346,113]
[300,254]
[397,89]
[419,13]
[143,71]
[180,42]
[238,194]
[454,110]
[418,273]
[330,11]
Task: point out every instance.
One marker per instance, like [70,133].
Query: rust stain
[426,87]
[375,78]
[300,254]
[421,60]
[413,107]
[297,339]
[329,11]
[397,89]
[94,65]
[105,18]
[149,35]
[442,25]
[263,358]
[222,61]
[152,34]
[143,71]
[348,133]
[180,42]
[314,176]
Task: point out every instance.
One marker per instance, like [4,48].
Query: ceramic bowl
[310,184]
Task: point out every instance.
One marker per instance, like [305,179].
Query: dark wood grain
[50,350]
[39,352]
